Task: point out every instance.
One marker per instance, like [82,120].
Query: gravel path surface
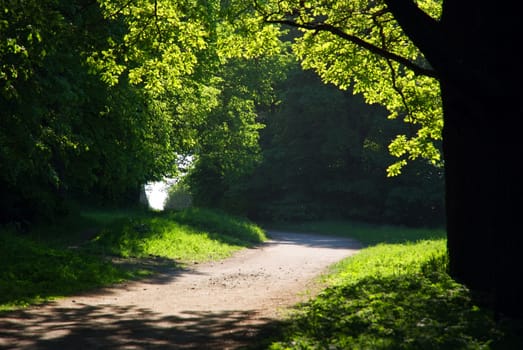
[218,305]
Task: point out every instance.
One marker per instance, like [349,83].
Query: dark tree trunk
[483,196]
[474,49]
[482,149]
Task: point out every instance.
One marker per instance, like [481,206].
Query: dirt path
[207,306]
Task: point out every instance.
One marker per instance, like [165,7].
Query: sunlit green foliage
[182,55]
[100,97]
[358,44]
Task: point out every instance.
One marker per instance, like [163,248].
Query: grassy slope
[393,295]
[190,235]
[73,256]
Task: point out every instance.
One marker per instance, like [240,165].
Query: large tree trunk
[482,152]
[481,90]
[474,49]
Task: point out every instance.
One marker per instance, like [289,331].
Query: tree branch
[417,69]
[117,12]
[157,20]
[424,31]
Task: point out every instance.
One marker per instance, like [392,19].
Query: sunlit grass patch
[385,260]
[190,235]
[392,297]
[219,222]
[165,238]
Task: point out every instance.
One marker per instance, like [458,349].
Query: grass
[394,294]
[75,255]
[225,224]
[34,272]
[191,235]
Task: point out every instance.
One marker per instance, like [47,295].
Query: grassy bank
[190,235]
[76,254]
[394,294]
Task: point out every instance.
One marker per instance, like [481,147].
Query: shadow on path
[106,325]
[114,327]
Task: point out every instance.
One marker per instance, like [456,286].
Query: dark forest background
[324,156]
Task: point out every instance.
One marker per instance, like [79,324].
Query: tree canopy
[100,97]
[359,44]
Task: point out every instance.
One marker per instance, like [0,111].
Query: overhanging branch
[417,69]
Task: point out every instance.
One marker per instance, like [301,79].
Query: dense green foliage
[228,148]
[63,129]
[76,254]
[98,98]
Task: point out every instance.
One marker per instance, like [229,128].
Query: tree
[228,149]
[469,49]
[99,97]
[65,130]
[472,49]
